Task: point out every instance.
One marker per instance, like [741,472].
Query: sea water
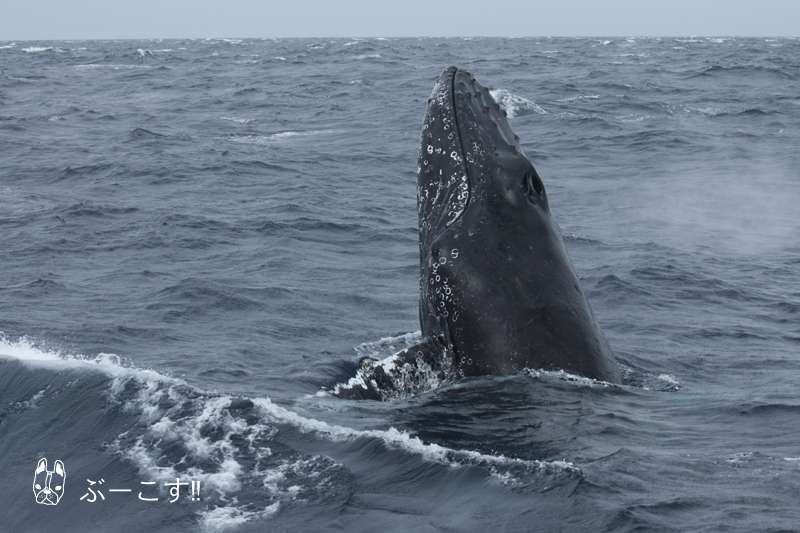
[197,236]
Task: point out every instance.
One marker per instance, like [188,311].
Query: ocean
[198,237]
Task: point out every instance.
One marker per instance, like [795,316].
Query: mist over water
[196,236]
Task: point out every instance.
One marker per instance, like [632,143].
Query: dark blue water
[196,236]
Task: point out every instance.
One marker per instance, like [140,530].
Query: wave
[585,97]
[388,345]
[239,120]
[514,105]
[36,49]
[579,238]
[115,67]
[100,171]
[745,70]
[566,377]
[241,450]
[268,139]
[143,134]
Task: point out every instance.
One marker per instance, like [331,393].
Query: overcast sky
[132,19]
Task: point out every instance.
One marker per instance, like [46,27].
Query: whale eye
[532,185]
[58,487]
[39,487]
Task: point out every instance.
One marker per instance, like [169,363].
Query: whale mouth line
[457,127]
[462,153]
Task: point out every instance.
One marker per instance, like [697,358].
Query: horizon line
[383,37]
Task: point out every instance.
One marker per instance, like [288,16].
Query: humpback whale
[498,293]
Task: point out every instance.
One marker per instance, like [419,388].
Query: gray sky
[113,19]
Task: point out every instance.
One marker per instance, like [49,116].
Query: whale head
[496,282]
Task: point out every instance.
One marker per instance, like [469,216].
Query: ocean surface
[198,236]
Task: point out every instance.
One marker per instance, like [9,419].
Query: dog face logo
[48,486]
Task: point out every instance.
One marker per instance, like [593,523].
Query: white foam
[172,412]
[23,349]
[669,379]
[515,105]
[12,45]
[710,111]
[168,425]
[579,237]
[225,518]
[388,345]
[225,480]
[567,114]
[115,67]
[586,97]
[359,380]
[396,439]
[35,49]
[268,139]
[633,118]
[563,376]
[368,56]
[239,120]
[33,355]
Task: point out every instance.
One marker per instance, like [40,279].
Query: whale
[498,292]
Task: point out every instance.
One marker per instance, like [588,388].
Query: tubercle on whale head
[494,158]
[477,110]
